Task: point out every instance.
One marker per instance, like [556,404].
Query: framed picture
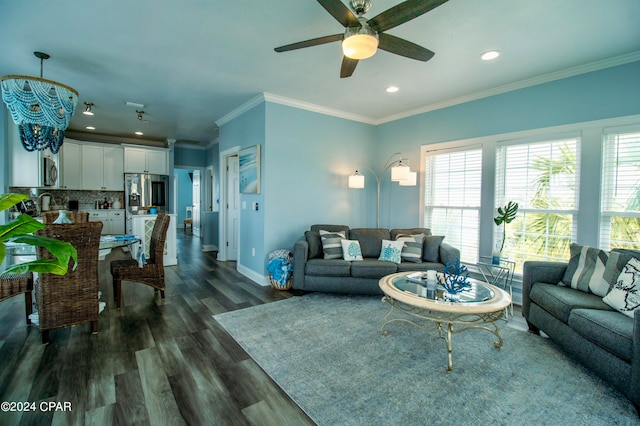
[249,162]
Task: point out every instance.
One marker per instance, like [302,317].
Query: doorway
[188,199]
[230,205]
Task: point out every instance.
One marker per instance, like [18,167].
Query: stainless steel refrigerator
[143,192]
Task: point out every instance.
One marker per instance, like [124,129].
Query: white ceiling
[193,62]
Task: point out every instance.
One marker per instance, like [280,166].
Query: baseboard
[209,247]
[253,275]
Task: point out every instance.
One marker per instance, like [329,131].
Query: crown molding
[545,78]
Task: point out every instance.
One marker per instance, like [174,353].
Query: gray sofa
[601,338]
[312,272]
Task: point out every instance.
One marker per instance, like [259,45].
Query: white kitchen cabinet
[145,160]
[70,169]
[112,220]
[142,227]
[26,168]
[102,167]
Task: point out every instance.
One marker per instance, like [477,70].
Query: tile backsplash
[60,197]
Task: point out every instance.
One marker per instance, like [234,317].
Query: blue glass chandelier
[41,108]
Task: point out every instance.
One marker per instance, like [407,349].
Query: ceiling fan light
[360,42]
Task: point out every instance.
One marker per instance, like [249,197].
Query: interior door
[232,197]
[196,203]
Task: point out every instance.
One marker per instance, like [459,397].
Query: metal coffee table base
[444,322]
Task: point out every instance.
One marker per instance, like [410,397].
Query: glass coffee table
[478,308]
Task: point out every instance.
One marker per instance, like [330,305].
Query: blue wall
[307,157]
[185,193]
[608,93]
[185,157]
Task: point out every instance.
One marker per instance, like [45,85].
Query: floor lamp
[400,173]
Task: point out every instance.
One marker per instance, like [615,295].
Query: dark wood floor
[153,362]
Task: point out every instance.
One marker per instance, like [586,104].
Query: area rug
[327,353]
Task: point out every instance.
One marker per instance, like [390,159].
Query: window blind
[452,198]
[620,212]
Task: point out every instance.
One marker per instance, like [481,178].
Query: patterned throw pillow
[391,251]
[412,249]
[351,250]
[585,270]
[331,244]
[625,294]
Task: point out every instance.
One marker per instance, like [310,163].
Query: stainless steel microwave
[49,172]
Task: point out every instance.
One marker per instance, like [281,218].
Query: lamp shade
[400,172]
[360,42]
[410,181]
[356,181]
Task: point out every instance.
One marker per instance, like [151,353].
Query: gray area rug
[327,353]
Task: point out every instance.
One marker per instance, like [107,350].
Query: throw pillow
[625,294]
[585,270]
[391,251]
[351,250]
[431,249]
[618,258]
[412,248]
[331,245]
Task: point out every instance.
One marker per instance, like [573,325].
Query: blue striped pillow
[331,245]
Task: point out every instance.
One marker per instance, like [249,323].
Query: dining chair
[15,284]
[75,217]
[150,273]
[65,300]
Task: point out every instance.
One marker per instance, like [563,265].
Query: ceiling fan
[363,37]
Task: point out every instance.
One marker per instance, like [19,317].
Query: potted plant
[505,216]
[20,230]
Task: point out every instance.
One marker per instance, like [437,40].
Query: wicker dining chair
[75,217]
[152,272]
[15,284]
[70,299]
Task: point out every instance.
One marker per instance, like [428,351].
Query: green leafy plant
[506,215]
[21,230]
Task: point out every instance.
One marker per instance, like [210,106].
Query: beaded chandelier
[41,108]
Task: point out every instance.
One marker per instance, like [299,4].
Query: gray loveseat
[600,337]
[312,272]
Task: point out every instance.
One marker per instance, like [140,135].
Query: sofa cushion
[332,228]
[412,248]
[370,240]
[585,270]
[625,294]
[391,251]
[408,231]
[331,245]
[315,244]
[608,329]
[431,248]
[328,267]
[559,300]
[351,250]
[371,268]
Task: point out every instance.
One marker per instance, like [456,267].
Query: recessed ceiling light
[391,89]
[488,56]
[90,128]
[139,133]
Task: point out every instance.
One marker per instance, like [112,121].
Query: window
[452,198]
[542,177]
[620,212]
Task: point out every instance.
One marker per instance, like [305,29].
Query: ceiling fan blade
[338,10]
[348,66]
[402,13]
[309,43]
[402,47]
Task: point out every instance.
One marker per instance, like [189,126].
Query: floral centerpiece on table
[454,278]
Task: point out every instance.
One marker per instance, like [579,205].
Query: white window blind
[620,213]
[542,177]
[452,198]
